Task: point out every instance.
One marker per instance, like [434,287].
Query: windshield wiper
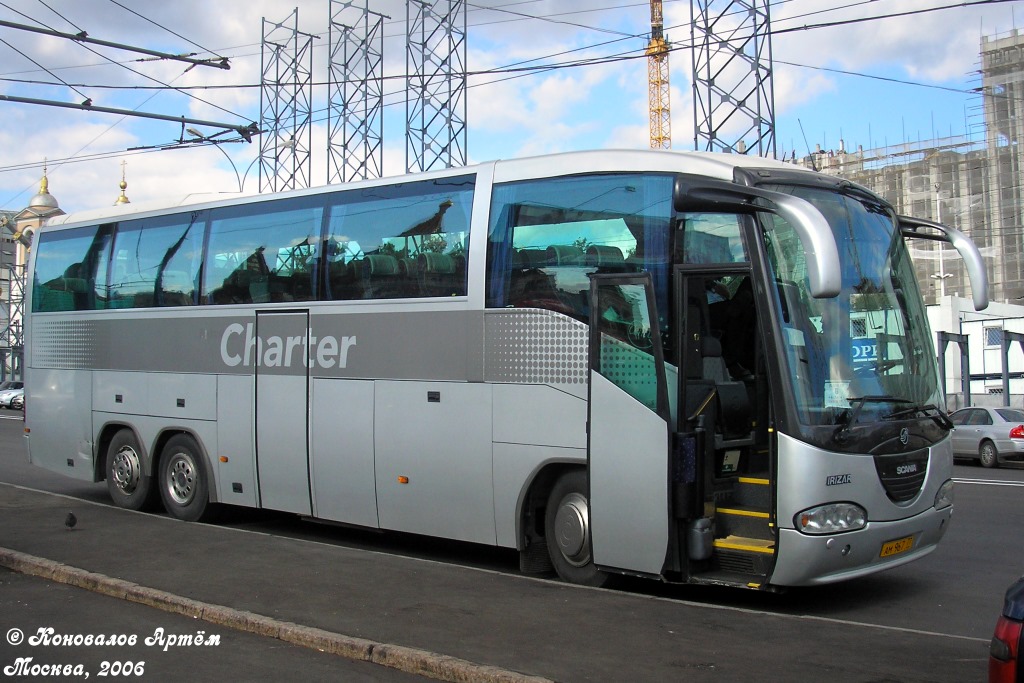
[849,417]
[928,410]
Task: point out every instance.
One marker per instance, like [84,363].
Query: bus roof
[712,164]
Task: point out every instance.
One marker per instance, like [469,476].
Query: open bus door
[722,475]
[628,434]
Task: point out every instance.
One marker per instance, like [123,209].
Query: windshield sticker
[837,394]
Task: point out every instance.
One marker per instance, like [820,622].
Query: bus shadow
[833,600]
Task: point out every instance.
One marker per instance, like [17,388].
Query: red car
[1005,664]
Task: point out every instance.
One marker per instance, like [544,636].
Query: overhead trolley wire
[62,81]
[76,26]
[173,33]
[128,68]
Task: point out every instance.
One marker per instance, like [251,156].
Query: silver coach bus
[704,368]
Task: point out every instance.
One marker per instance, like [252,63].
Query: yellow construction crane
[657,81]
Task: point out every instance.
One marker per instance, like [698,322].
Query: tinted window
[65,271]
[1011,415]
[712,238]
[399,241]
[959,417]
[155,263]
[547,236]
[263,252]
[980,417]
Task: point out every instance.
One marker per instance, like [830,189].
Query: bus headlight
[834,518]
[944,498]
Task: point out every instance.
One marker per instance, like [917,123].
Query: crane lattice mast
[657,81]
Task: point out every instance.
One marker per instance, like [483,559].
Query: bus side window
[399,242]
[66,277]
[547,237]
[263,252]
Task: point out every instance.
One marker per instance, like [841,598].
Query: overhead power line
[219,63]
[161,26]
[246,131]
[892,15]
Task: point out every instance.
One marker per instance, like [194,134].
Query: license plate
[900,545]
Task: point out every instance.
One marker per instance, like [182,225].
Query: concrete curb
[407,659]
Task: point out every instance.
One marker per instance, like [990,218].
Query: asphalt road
[955,592]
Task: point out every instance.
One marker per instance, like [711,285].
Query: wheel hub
[181,482]
[572,529]
[127,470]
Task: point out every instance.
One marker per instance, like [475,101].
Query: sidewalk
[441,620]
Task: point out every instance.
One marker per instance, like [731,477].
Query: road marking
[989,482]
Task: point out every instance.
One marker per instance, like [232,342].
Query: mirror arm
[699,194]
[966,247]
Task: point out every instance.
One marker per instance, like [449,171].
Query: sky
[861,79]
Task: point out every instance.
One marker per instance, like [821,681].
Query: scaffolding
[971,182]
[12,339]
[355,92]
[435,104]
[286,93]
[733,97]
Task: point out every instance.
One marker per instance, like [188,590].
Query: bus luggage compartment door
[282,388]
[628,434]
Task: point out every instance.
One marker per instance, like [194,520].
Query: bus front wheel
[127,482]
[183,485]
[567,531]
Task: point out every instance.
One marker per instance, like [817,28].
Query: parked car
[989,435]
[1005,664]
[9,392]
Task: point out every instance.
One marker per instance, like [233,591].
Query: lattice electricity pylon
[286,111]
[355,92]
[435,96]
[733,97]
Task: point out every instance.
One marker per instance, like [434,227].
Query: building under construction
[971,183]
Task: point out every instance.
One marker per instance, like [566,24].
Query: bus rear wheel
[127,482]
[183,485]
[567,531]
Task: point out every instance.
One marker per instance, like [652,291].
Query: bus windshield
[866,354]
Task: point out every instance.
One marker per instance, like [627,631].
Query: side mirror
[697,194]
[968,250]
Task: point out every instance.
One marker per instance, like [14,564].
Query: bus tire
[567,531]
[127,482]
[988,455]
[183,485]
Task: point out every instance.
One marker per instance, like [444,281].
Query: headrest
[710,347]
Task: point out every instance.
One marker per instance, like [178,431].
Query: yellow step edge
[750,545]
[754,480]
[743,513]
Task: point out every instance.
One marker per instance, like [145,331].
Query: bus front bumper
[805,560]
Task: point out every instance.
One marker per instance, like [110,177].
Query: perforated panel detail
[534,347]
[69,344]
